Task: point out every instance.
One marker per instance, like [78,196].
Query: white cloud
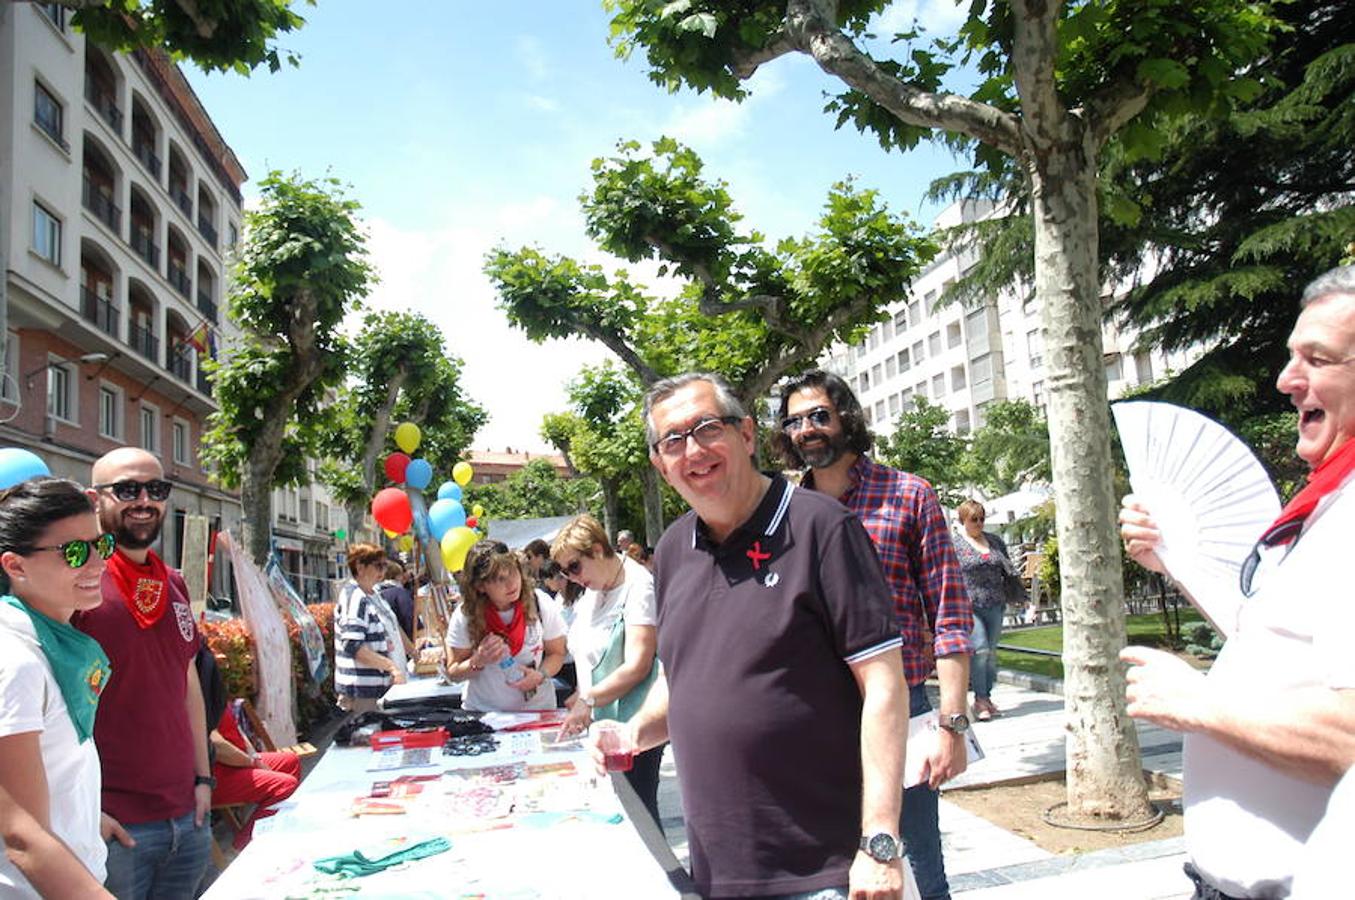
[708,120]
[544,104]
[531,55]
[938,17]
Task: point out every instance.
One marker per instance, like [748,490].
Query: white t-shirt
[30,700]
[596,612]
[1246,822]
[489,690]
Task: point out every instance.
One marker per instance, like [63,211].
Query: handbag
[628,704]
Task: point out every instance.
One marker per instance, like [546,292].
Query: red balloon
[396,464]
[472,522]
[390,508]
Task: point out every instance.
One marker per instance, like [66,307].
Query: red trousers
[262,787]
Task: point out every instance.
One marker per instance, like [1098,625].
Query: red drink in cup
[613,739]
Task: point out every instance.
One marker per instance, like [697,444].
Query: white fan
[1208,494]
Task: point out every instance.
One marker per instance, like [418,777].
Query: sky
[461,127]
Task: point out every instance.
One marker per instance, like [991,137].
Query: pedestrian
[993,584]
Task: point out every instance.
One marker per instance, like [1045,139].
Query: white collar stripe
[781,508]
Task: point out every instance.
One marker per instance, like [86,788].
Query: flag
[198,339]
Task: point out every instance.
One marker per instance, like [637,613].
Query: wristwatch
[587,699]
[956,723]
[883,847]
[204,779]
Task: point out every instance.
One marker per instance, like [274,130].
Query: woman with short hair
[368,652]
[991,582]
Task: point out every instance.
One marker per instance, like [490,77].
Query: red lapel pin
[756,555]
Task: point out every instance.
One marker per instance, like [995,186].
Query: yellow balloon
[406,543]
[455,544]
[477,511]
[462,473]
[408,436]
[389,533]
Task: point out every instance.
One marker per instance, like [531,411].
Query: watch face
[958,723]
[882,847]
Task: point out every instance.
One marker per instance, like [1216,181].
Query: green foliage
[216,35]
[923,444]
[1011,448]
[534,491]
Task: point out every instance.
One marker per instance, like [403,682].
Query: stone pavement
[985,862]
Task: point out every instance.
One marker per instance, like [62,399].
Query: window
[1037,395]
[981,413]
[234,234]
[9,385]
[306,510]
[957,378]
[46,234]
[934,343]
[939,385]
[1143,367]
[981,370]
[921,389]
[890,370]
[906,398]
[914,314]
[929,303]
[321,516]
[874,337]
[917,353]
[879,410]
[47,113]
[150,428]
[55,13]
[60,393]
[1114,370]
[886,329]
[953,336]
[962,422]
[1035,347]
[893,404]
[179,432]
[110,412]
[876,376]
[976,324]
[901,321]
[864,381]
[904,363]
[860,349]
[869,420]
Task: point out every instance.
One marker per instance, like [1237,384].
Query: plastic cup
[613,739]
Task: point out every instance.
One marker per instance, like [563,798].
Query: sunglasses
[77,552]
[819,418]
[157,489]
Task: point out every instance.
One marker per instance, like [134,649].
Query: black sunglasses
[818,417]
[157,489]
[77,552]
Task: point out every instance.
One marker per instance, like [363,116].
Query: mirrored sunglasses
[77,552]
[818,417]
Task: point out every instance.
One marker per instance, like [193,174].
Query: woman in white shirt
[505,643]
[613,640]
[51,558]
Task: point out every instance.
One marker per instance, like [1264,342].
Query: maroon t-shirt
[141,730]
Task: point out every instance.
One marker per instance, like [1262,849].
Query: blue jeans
[168,861]
[983,665]
[920,823]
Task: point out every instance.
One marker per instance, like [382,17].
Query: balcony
[101,312]
[180,365]
[146,154]
[144,246]
[185,202]
[102,100]
[99,203]
[178,276]
[204,383]
[142,341]
[207,231]
[206,306]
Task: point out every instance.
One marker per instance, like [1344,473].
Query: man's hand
[110,827]
[871,880]
[202,803]
[1140,534]
[577,720]
[948,760]
[1165,689]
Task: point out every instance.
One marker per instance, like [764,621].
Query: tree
[216,35]
[536,490]
[301,269]
[1056,82]
[1010,449]
[398,361]
[922,443]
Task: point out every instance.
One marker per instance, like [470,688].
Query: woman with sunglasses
[51,560]
[506,644]
[992,582]
[369,654]
[613,640]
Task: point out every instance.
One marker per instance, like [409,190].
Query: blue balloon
[449,490]
[418,474]
[445,515]
[18,465]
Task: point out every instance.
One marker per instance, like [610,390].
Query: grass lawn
[1144,629]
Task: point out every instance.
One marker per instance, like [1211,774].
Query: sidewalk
[985,862]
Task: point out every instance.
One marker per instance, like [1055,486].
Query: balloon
[341,534]
[391,534]
[390,508]
[418,474]
[477,510]
[407,436]
[406,543]
[443,516]
[396,466]
[462,473]
[18,465]
[455,544]
[449,490]
[473,521]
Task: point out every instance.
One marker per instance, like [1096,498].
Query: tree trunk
[356,511]
[611,505]
[256,506]
[1105,772]
[649,481]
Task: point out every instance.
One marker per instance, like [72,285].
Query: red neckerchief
[1327,477]
[143,588]
[515,632]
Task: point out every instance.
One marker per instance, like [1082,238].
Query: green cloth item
[356,864]
[628,704]
[78,663]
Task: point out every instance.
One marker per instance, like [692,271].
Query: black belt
[1203,889]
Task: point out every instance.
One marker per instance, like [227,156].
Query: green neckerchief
[357,864]
[78,662]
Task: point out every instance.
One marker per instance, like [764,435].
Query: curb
[1031,681]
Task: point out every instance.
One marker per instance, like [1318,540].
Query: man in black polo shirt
[782,665]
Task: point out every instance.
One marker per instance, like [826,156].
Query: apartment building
[966,358]
[119,206]
[306,524]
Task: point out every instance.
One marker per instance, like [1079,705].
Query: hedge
[233,647]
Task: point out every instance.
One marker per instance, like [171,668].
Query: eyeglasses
[157,489]
[706,432]
[819,417]
[77,552]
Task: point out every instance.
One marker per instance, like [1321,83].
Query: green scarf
[357,864]
[78,662]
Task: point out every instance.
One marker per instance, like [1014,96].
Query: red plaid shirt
[904,519]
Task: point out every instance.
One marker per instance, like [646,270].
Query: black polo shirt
[756,635]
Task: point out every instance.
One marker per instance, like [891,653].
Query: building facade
[310,531]
[490,466]
[119,207]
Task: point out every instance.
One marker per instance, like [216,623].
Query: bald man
[151,730]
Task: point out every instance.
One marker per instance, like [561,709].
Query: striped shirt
[903,518]
[357,623]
